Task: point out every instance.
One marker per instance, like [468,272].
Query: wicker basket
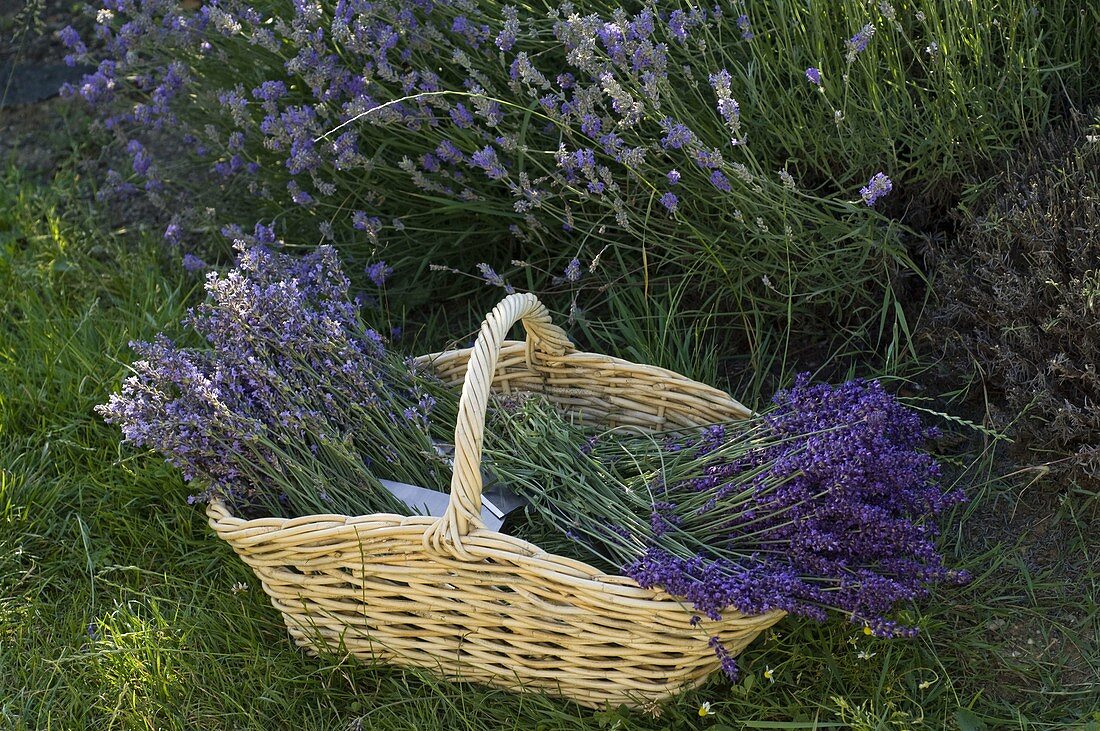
[448,595]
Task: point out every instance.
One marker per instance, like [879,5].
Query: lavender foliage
[522,124]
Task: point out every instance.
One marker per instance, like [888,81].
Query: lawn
[120,608]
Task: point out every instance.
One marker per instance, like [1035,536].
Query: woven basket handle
[464,509]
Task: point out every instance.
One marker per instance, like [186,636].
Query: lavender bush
[290,406]
[461,132]
[827,502]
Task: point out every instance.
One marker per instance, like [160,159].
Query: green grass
[120,609]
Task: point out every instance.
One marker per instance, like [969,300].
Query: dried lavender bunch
[825,502]
[292,406]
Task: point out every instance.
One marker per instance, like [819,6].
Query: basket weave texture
[448,595]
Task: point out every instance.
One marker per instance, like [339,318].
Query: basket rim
[589,359]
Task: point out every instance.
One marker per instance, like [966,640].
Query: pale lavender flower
[878,186]
[814,75]
[857,44]
[743,25]
[379,272]
[486,159]
[489,275]
[507,36]
[670,201]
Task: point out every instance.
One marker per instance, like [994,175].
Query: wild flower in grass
[670,201]
[720,181]
[486,159]
[857,44]
[814,76]
[704,709]
[573,271]
[769,674]
[489,275]
[677,135]
[362,222]
[193,263]
[350,102]
[299,196]
[507,36]
[878,186]
[378,272]
[728,108]
[71,40]
[933,50]
[744,26]
[865,654]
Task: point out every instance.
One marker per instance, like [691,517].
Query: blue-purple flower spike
[878,186]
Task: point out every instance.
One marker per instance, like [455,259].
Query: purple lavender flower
[299,196]
[288,375]
[193,263]
[670,201]
[362,222]
[573,271]
[677,25]
[857,44]
[141,160]
[461,116]
[677,135]
[447,152]
[878,186]
[486,159]
[729,110]
[173,234]
[744,26]
[831,509]
[720,181]
[489,275]
[591,125]
[814,75]
[673,177]
[378,272]
[71,40]
[508,32]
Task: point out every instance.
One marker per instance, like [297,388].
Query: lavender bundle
[292,406]
[825,502]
